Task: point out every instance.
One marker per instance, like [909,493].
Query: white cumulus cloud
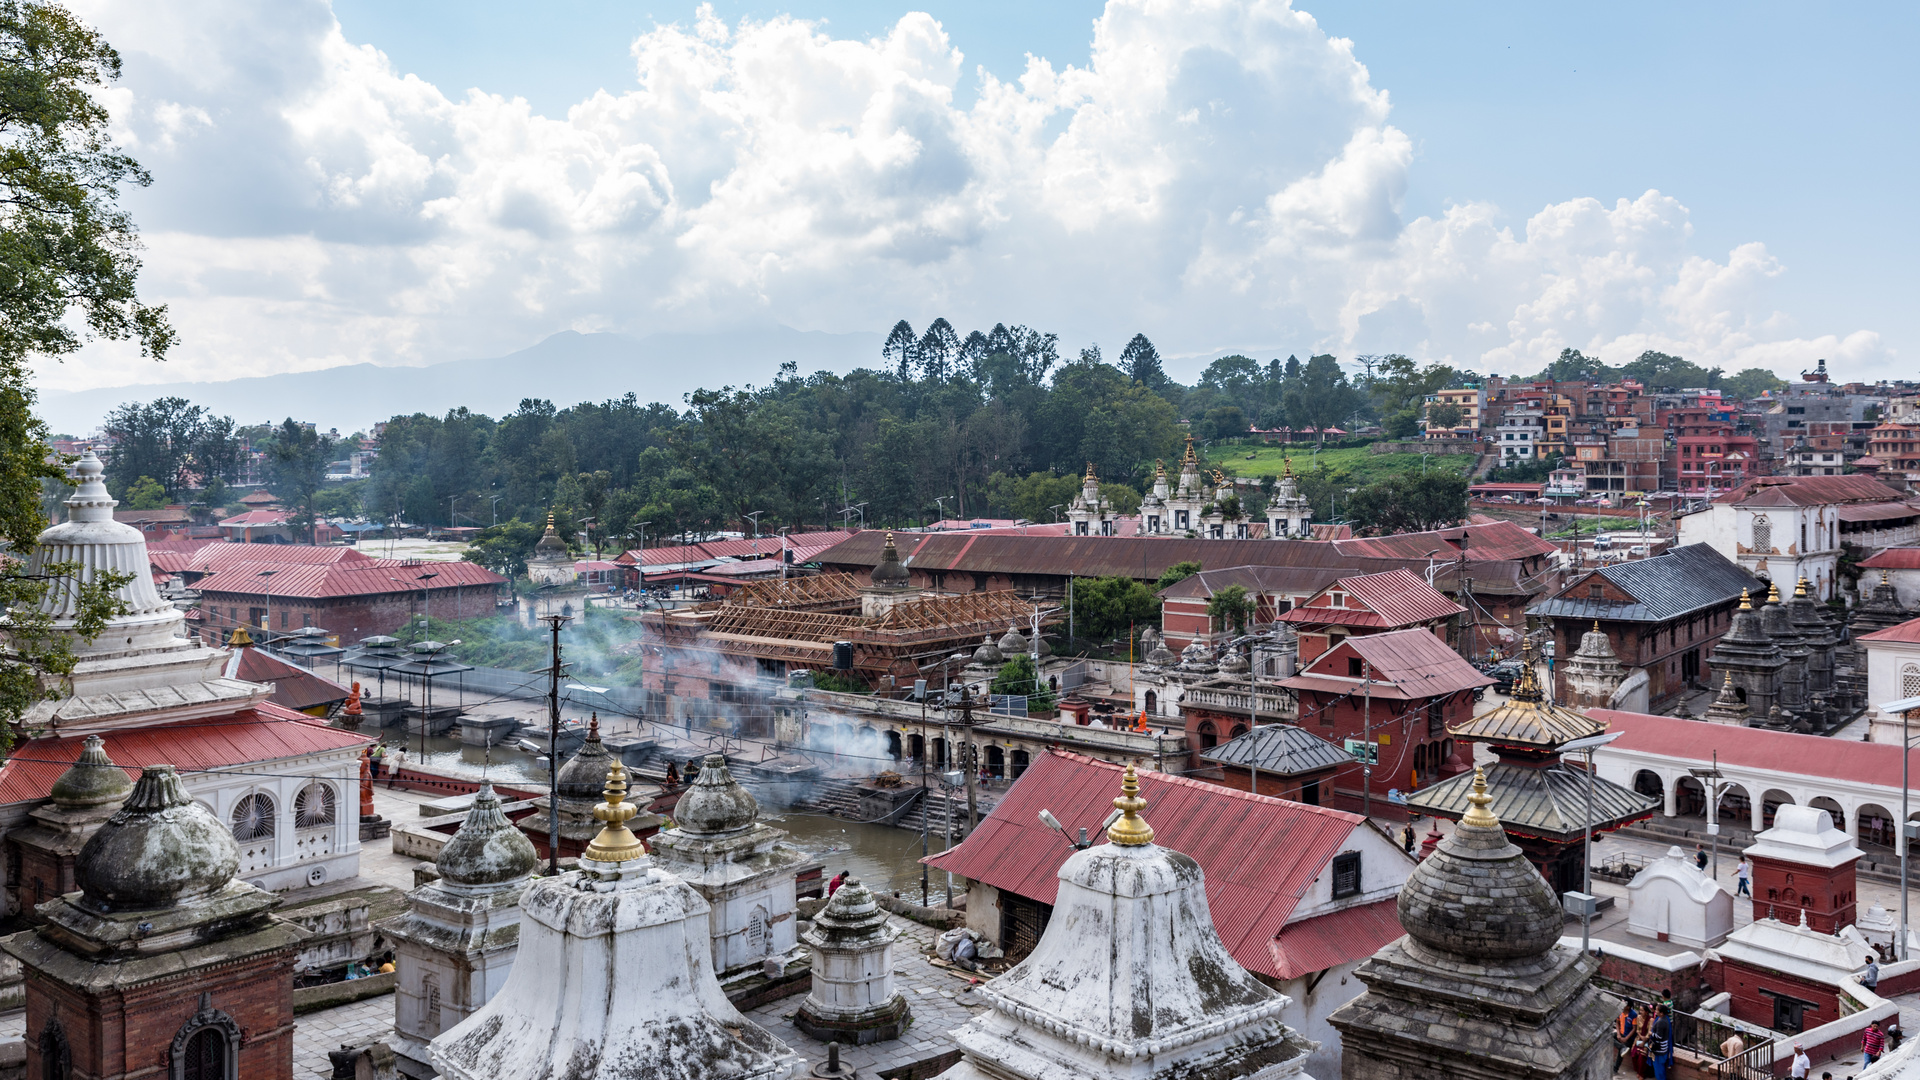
[1222,175]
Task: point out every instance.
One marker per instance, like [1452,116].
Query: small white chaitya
[742,868]
[1674,900]
[455,946]
[852,999]
[614,980]
[1129,980]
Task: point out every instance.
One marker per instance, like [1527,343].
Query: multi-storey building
[1519,433]
[1472,403]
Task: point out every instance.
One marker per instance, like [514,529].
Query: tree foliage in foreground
[67,275]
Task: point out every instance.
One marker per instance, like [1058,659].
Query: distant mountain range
[565,369]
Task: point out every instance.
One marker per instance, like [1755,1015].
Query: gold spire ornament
[240,638]
[1746,600]
[1131,830]
[1800,590]
[1773,593]
[1287,462]
[616,842]
[1478,814]
[1090,475]
[1526,688]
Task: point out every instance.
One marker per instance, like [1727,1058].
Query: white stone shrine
[852,999]
[455,947]
[743,869]
[614,980]
[1673,900]
[1130,979]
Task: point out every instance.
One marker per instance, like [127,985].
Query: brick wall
[352,617]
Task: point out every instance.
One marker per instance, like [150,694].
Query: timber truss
[812,592]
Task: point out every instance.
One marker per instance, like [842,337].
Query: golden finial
[1526,689]
[1746,600]
[1287,460]
[616,842]
[1478,814]
[1596,626]
[1773,593]
[549,521]
[1191,458]
[1131,830]
[1090,475]
[1159,468]
[1883,577]
[240,638]
[1800,589]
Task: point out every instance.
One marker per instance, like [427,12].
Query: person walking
[1406,838]
[1700,856]
[1744,874]
[1802,1065]
[377,760]
[1733,1046]
[1872,1044]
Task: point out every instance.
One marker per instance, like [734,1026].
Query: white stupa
[614,979]
[1674,900]
[141,668]
[1130,980]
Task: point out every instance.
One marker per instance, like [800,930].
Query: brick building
[348,593]
[1367,604]
[1393,694]
[1661,615]
[1274,590]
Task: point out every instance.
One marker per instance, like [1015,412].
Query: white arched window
[1762,534]
[314,806]
[253,817]
[1910,680]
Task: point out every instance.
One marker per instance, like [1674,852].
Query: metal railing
[1704,1036]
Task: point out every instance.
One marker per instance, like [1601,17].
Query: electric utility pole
[554,623]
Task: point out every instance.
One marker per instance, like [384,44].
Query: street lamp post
[266,619]
[493,504]
[1712,780]
[1589,744]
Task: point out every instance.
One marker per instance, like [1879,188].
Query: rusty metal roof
[1281,749]
[1400,597]
[1497,539]
[1809,491]
[1417,662]
[1294,580]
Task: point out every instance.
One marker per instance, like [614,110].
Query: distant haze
[566,368]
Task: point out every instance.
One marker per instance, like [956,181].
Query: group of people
[1644,1036]
[386,759]
[1742,873]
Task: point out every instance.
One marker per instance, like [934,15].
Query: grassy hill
[1253,461]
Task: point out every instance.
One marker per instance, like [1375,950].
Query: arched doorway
[1019,763]
[893,745]
[1875,826]
[939,753]
[1153,704]
[1238,730]
[1832,807]
[1736,806]
[1690,800]
[1208,738]
[1771,800]
[916,746]
[996,762]
[1647,782]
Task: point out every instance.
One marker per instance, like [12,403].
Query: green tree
[505,548]
[1751,383]
[67,274]
[1176,573]
[1230,607]
[1444,416]
[1032,497]
[1322,397]
[1409,502]
[297,468]
[1017,676]
[1141,361]
[145,494]
[1105,607]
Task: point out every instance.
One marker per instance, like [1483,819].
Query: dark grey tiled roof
[1281,749]
[1666,586]
[1549,802]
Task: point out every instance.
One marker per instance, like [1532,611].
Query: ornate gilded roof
[1528,719]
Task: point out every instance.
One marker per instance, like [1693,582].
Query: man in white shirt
[1801,1065]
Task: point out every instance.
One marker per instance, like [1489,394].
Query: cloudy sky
[410,183]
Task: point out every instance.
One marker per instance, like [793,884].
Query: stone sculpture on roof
[1130,979]
[1091,513]
[1289,515]
[615,976]
[1480,987]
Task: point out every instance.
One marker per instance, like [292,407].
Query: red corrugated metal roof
[364,578]
[293,686]
[1260,854]
[1898,558]
[266,733]
[1401,598]
[1890,511]
[1337,937]
[213,558]
[1494,540]
[1417,662]
[1785,752]
[258,517]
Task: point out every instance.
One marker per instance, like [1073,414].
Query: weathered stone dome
[715,804]
[891,573]
[1477,897]
[488,849]
[550,546]
[851,916]
[161,849]
[1013,643]
[94,780]
[1234,663]
[988,654]
[586,774]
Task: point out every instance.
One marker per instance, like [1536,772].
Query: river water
[883,857]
